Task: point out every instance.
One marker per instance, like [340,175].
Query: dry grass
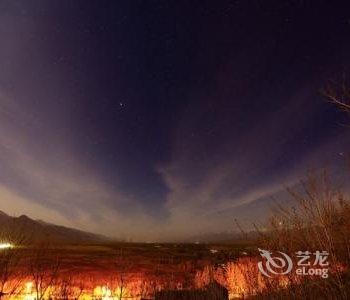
[318,220]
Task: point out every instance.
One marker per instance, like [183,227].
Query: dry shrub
[67,288]
[318,220]
[240,277]
[243,277]
[202,278]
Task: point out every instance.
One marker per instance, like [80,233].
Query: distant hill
[27,230]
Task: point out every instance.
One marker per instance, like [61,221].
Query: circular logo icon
[274,265]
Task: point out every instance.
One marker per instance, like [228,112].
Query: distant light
[5,245]
[28,291]
[29,286]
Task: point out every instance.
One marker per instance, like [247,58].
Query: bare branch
[338,93]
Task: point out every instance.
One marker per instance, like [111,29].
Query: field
[132,270]
[145,258]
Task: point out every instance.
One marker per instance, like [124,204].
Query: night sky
[161,120]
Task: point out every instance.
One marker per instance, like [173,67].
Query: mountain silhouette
[25,230]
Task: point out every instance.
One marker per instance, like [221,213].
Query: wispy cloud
[207,194]
[41,178]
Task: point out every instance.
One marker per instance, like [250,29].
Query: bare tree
[44,267]
[319,219]
[338,93]
[123,267]
[67,288]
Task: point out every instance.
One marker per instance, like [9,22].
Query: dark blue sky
[165,119]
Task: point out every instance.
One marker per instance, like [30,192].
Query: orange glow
[28,291]
[103,293]
[6,245]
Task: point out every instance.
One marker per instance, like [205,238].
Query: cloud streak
[160,134]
